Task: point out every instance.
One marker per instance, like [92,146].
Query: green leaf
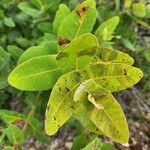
[2,136]
[148,11]
[9,22]
[21,17]
[110,120]
[128,44]
[37,3]
[2,15]
[106,29]
[14,51]
[27,8]
[95,144]
[78,142]
[105,112]
[142,23]
[4,58]
[4,96]
[61,14]
[48,37]
[52,5]
[47,48]
[107,146]
[8,148]
[45,27]
[147,55]
[23,42]
[79,53]
[10,116]
[31,100]
[73,4]
[37,74]
[114,56]
[139,9]
[112,76]
[4,67]
[81,113]
[104,12]
[127,3]
[85,89]
[36,127]
[59,107]
[80,21]
[14,134]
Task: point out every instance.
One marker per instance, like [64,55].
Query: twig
[31,113]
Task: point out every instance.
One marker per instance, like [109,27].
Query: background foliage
[29,26]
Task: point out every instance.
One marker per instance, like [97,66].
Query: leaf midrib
[40,73]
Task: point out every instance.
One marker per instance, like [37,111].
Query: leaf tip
[126,144]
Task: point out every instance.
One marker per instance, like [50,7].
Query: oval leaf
[79,53]
[37,74]
[110,120]
[61,14]
[80,21]
[60,106]
[14,134]
[106,29]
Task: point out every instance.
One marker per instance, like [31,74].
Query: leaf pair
[110,76]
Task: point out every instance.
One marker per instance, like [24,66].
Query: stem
[15,146]
[31,113]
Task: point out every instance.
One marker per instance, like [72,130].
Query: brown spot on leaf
[59,88]
[72,107]
[106,83]
[125,72]
[68,90]
[97,129]
[63,41]
[54,118]
[104,79]
[123,59]
[81,11]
